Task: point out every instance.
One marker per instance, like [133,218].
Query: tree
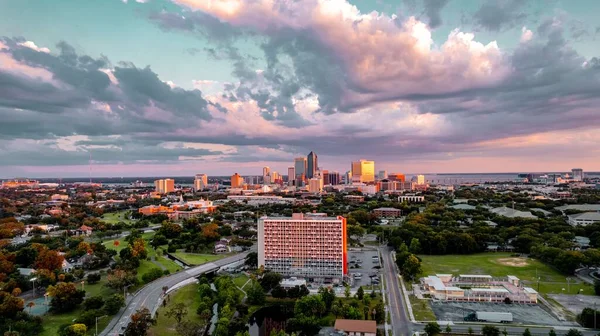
[360,294]
[597,287]
[552,332]
[48,259]
[279,292]
[270,280]
[328,296]
[380,313]
[432,329]
[141,321]
[448,329]
[256,294]
[210,232]
[30,305]
[10,305]
[93,302]
[119,278]
[415,246]
[347,292]
[138,248]
[470,331]
[113,303]
[411,268]
[93,278]
[189,328]
[152,274]
[311,306]
[574,332]
[77,329]
[526,332]
[504,332]
[251,260]
[65,296]
[178,311]
[489,330]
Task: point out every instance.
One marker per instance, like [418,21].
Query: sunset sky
[178,87]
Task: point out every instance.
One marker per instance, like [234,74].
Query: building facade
[200,182]
[266,175]
[363,171]
[291,175]
[411,198]
[396,177]
[164,186]
[315,185]
[300,170]
[312,165]
[577,174]
[304,246]
[237,181]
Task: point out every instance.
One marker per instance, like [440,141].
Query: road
[149,296]
[403,326]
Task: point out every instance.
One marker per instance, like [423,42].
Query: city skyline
[184,86]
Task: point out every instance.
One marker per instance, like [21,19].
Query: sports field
[503,264]
[197,259]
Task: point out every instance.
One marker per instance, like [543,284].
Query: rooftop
[512,213]
[580,207]
[593,216]
[356,326]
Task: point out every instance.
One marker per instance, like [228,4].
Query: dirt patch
[514,262]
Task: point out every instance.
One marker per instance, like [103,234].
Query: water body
[271,318]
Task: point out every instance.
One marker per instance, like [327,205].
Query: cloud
[498,15]
[32,45]
[432,10]
[526,34]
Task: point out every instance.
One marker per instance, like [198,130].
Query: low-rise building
[356,327]
[584,219]
[411,198]
[387,212]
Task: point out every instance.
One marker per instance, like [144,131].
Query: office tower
[382,174]
[348,177]
[363,171]
[291,175]
[164,186]
[315,184]
[200,182]
[312,165]
[325,177]
[334,178]
[237,181]
[266,175]
[300,170]
[396,177]
[304,246]
[577,174]
[419,179]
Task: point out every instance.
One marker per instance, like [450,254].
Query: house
[221,247]
[584,219]
[356,327]
[84,230]
[463,206]
[512,213]
[387,212]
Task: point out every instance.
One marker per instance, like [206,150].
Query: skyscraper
[200,181]
[237,181]
[304,246]
[164,186]
[334,178]
[363,171]
[291,175]
[300,170]
[577,174]
[396,177]
[382,175]
[315,184]
[312,165]
[325,176]
[266,175]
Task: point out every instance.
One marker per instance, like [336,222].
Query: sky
[179,87]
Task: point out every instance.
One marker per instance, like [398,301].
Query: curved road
[149,296]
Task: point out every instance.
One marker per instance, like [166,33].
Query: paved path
[150,296]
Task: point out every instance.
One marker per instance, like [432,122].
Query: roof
[85,228]
[356,326]
[463,206]
[475,276]
[580,207]
[593,216]
[490,290]
[529,290]
[387,209]
[545,212]
[512,213]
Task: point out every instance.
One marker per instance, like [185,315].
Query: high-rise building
[291,175]
[382,174]
[315,184]
[300,170]
[312,165]
[200,181]
[363,171]
[306,246]
[325,176]
[419,179]
[164,186]
[348,177]
[266,175]
[577,174]
[237,181]
[396,177]
[334,178]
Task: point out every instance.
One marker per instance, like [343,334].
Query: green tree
[448,329]
[552,332]
[574,332]
[113,303]
[597,287]
[153,274]
[140,322]
[526,332]
[415,246]
[93,302]
[380,313]
[251,260]
[504,332]
[178,311]
[256,294]
[311,306]
[489,330]
[328,296]
[347,292]
[470,331]
[411,268]
[432,329]
[77,329]
[270,280]
[360,293]
[189,328]
[65,296]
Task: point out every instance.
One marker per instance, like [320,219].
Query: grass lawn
[187,295]
[98,288]
[500,265]
[115,217]
[198,259]
[53,321]
[421,309]
[240,279]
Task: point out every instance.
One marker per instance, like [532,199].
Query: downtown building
[164,186]
[307,246]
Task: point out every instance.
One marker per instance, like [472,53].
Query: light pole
[33,281]
[124,289]
[97,318]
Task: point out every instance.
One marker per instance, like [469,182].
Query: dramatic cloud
[497,15]
[432,10]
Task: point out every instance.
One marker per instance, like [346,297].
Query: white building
[311,247]
[584,219]
[577,174]
[315,185]
[200,182]
[411,198]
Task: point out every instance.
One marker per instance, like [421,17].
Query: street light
[33,280]
[124,289]
[97,318]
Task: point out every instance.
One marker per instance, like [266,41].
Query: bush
[152,275]
[113,303]
[94,302]
[93,278]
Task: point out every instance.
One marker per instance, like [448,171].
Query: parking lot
[361,266]
[576,303]
[522,313]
